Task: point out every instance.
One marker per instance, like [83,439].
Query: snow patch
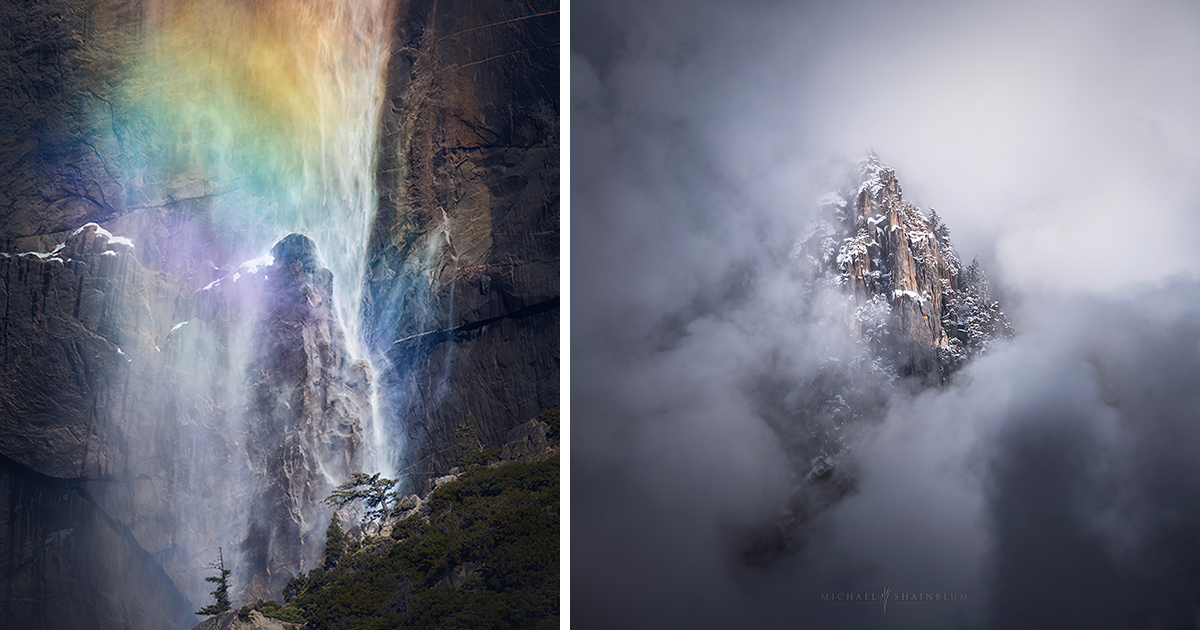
[911,294]
[43,256]
[113,240]
[832,199]
[253,266]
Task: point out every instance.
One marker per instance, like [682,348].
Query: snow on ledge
[100,231]
[912,294]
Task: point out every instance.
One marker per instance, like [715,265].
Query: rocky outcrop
[526,442]
[267,340]
[463,287]
[307,402]
[226,428]
[882,280]
[923,313]
[894,254]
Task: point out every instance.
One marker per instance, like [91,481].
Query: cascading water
[264,115]
[278,102]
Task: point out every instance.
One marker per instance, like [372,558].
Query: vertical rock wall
[463,286]
[896,261]
[902,262]
[91,464]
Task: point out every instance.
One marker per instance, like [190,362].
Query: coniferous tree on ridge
[221,593]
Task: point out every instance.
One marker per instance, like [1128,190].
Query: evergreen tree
[466,441]
[937,227]
[970,275]
[373,490]
[221,593]
[335,542]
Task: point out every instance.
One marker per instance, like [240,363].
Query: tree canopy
[374,491]
[221,593]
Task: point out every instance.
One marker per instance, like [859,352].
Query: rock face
[526,442]
[144,435]
[883,284]
[89,471]
[921,310]
[306,401]
[74,320]
[463,291]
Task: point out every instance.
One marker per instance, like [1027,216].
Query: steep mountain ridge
[919,309]
[913,314]
[128,450]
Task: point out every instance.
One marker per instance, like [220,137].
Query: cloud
[1051,482]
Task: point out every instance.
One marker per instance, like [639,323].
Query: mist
[1051,482]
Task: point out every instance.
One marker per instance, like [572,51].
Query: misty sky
[1055,482]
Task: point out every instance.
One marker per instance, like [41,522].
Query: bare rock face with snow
[71,320]
[885,274]
[920,309]
[307,401]
[87,474]
[145,425]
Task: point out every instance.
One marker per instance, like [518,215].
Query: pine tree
[335,542]
[221,593]
[374,491]
[970,275]
[937,226]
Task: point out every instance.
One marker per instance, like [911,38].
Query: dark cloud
[1053,482]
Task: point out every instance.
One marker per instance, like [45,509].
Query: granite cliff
[462,288]
[878,273]
[125,426]
[921,311]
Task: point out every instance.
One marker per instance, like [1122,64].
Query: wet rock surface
[466,236]
[308,400]
[151,443]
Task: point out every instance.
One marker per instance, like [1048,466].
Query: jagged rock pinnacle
[296,248]
[922,312]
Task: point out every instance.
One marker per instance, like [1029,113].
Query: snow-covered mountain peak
[886,252]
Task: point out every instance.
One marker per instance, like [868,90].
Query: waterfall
[262,117]
[278,102]
[269,111]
